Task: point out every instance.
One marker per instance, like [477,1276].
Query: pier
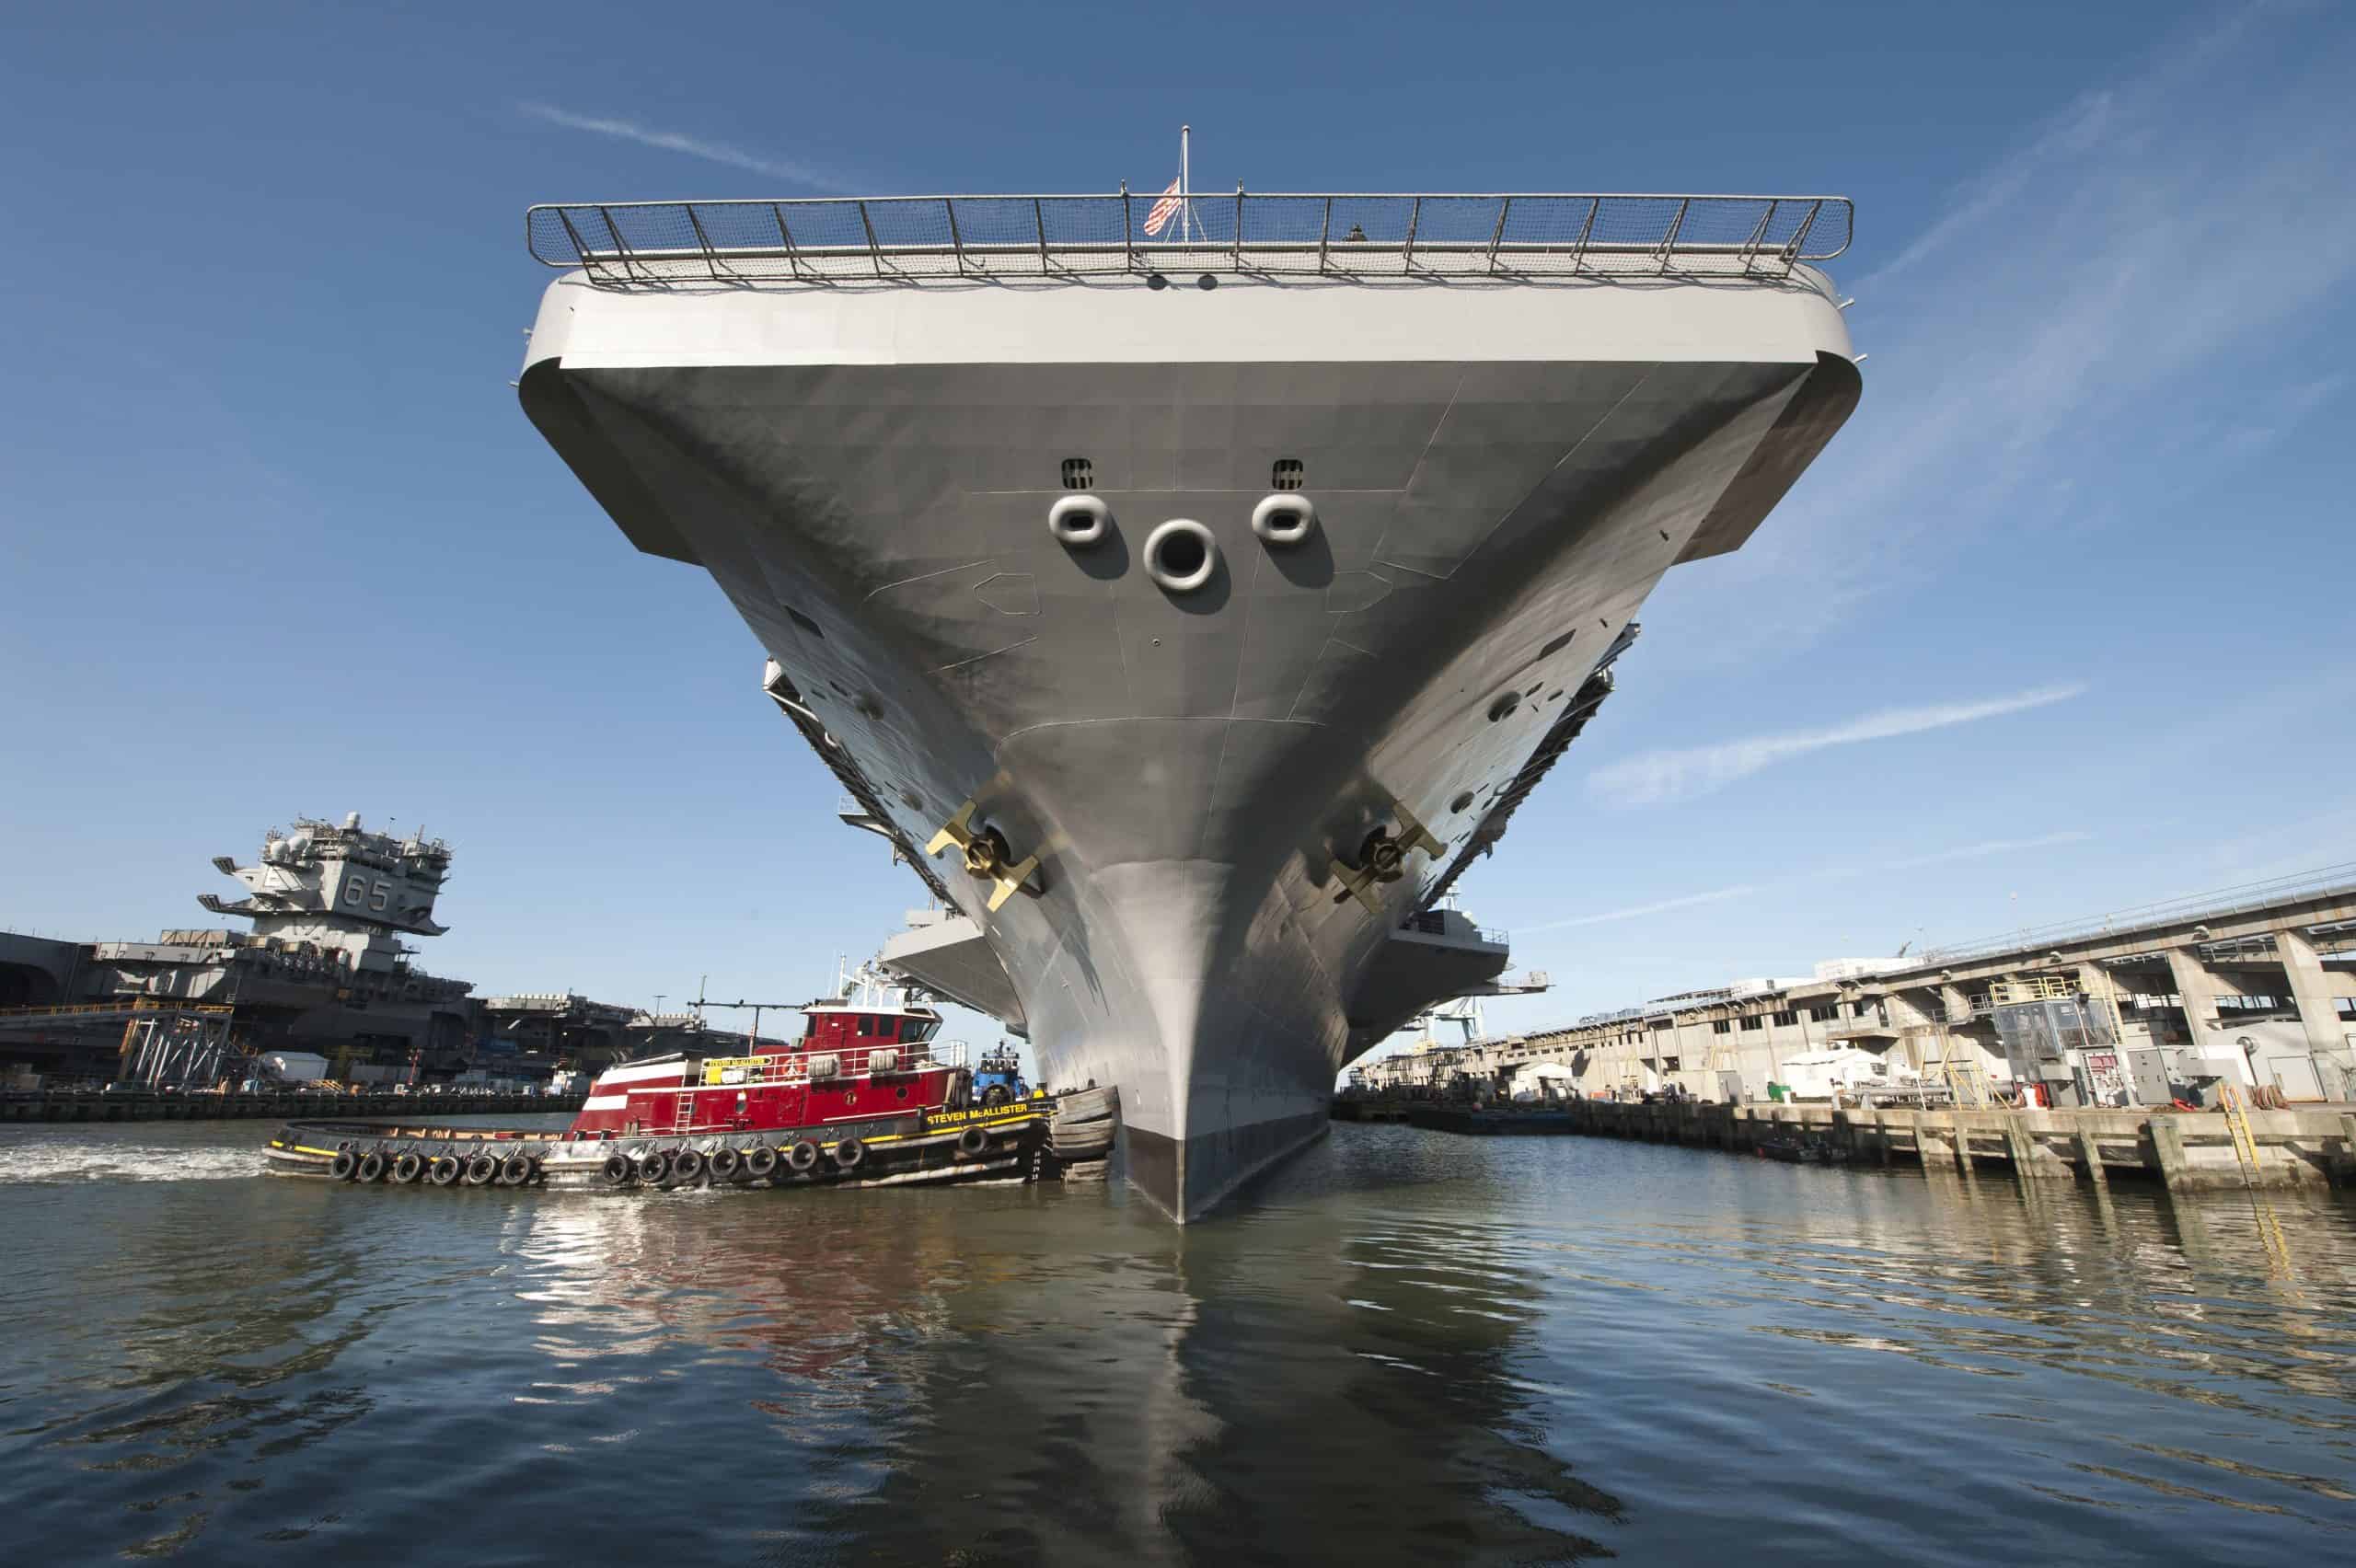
[148,1105]
[2181,1150]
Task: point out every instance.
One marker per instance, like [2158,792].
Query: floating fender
[515,1170]
[408,1166]
[371,1167]
[973,1141]
[481,1170]
[342,1166]
[445,1168]
[803,1155]
[726,1164]
[654,1166]
[617,1170]
[760,1162]
[850,1154]
[686,1165]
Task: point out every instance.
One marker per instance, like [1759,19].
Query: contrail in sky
[1651,777]
[681,141]
[1981,850]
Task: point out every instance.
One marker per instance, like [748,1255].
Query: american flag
[1163,210]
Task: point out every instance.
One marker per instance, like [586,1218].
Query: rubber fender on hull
[803,1155]
[973,1141]
[617,1170]
[408,1166]
[686,1165]
[445,1169]
[760,1162]
[371,1167]
[343,1164]
[654,1166]
[850,1154]
[727,1164]
[515,1170]
[481,1170]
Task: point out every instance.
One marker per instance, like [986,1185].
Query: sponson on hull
[1191,602]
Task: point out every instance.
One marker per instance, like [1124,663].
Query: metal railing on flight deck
[946,239]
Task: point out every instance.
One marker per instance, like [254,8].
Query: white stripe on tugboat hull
[605,1102]
[672,1071]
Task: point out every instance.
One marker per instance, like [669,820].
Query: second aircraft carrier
[1192,608]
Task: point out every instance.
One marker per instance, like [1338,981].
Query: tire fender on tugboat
[686,1165]
[481,1170]
[804,1156]
[447,1168]
[408,1166]
[760,1162]
[849,1155]
[343,1164]
[972,1142]
[617,1170]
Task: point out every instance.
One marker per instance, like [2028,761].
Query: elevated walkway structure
[165,1042]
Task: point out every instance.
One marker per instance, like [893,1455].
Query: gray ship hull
[1498,475]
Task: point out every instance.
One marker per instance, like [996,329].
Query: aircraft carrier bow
[1192,607]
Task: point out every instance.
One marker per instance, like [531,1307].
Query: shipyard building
[2256,987]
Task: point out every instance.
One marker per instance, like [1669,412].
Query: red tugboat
[863,1096]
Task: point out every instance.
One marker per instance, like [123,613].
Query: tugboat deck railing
[921,240]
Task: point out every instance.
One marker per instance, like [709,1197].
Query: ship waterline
[1206,735]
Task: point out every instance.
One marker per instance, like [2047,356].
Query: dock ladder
[2229,1100]
[1964,1076]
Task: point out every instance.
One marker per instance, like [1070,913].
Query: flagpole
[1185,188]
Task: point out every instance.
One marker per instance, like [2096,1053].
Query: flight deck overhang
[951,958]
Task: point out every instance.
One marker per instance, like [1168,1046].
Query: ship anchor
[986,854]
[1382,858]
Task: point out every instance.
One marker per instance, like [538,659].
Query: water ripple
[1405,1347]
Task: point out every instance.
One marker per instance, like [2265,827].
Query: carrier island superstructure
[1191,607]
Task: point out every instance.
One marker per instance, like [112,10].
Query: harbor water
[1403,1347]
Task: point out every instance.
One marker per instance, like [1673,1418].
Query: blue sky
[2059,624]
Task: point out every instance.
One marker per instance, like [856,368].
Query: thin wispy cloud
[724,152]
[2100,295]
[1657,776]
[1984,849]
[1979,851]
[1636,911]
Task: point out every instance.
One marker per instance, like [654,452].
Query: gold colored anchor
[986,854]
[1382,858]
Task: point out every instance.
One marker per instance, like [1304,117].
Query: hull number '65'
[375,891]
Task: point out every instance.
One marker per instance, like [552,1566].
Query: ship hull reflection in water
[1076,1380]
[1402,1348]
